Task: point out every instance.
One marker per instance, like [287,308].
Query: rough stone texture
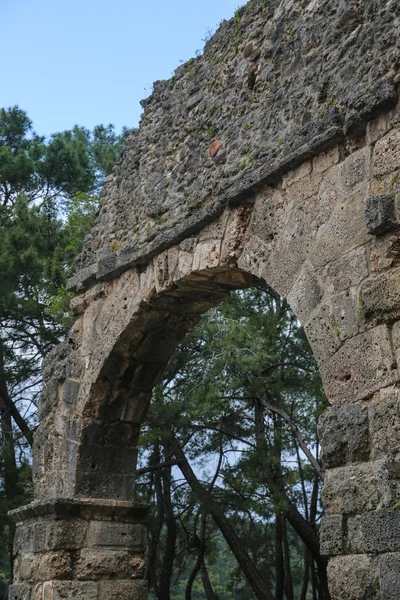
[260,161]
[267,110]
[354,578]
[343,378]
[375,532]
[389,567]
[384,416]
[381,295]
[357,489]
[380,214]
[103,548]
[332,536]
[344,435]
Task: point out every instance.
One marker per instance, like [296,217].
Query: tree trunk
[279,568]
[164,582]
[212,507]
[208,589]
[200,557]
[286,556]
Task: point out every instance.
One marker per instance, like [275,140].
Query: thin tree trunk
[154,537]
[213,508]
[8,406]
[208,588]
[200,558]
[164,582]
[306,577]
[286,555]
[279,568]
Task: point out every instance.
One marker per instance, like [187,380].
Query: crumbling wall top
[276,84]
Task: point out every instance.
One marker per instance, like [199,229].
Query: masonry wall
[303,193]
[276,84]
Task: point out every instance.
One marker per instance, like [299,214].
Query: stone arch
[241,169]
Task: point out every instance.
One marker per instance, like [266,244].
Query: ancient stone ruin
[274,155]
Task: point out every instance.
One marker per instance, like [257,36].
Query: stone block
[304,188]
[358,488]
[389,575]
[356,168]
[380,214]
[20,591]
[53,565]
[25,567]
[296,174]
[254,257]
[354,578]
[380,296]
[65,534]
[331,535]
[267,214]
[70,590]
[377,128]
[344,231]
[123,590]
[207,255]
[351,172]
[384,416]
[136,567]
[387,154]
[102,564]
[291,247]
[343,377]
[96,485]
[345,272]
[383,185]
[71,391]
[305,294]
[326,159]
[323,334]
[344,434]
[348,314]
[23,538]
[125,535]
[374,532]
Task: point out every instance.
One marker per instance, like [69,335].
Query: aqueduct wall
[274,155]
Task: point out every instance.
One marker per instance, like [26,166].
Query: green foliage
[47,205]
[250,348]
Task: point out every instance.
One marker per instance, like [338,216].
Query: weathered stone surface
[374,532]
[384,415]
[345,230]
[126,535]
[108,564]
[354,578]
[389,575]
[387,154]
[70,590]
[20,591]
[342,376]
[380,214]
[381,295]
[123,590]
[305,294]
[348,271]
[356,489]
[331,535]
[344,434]
[270,118]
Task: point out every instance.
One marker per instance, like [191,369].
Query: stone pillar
[361,528]
[79,550]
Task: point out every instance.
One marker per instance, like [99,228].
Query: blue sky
[91,61]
